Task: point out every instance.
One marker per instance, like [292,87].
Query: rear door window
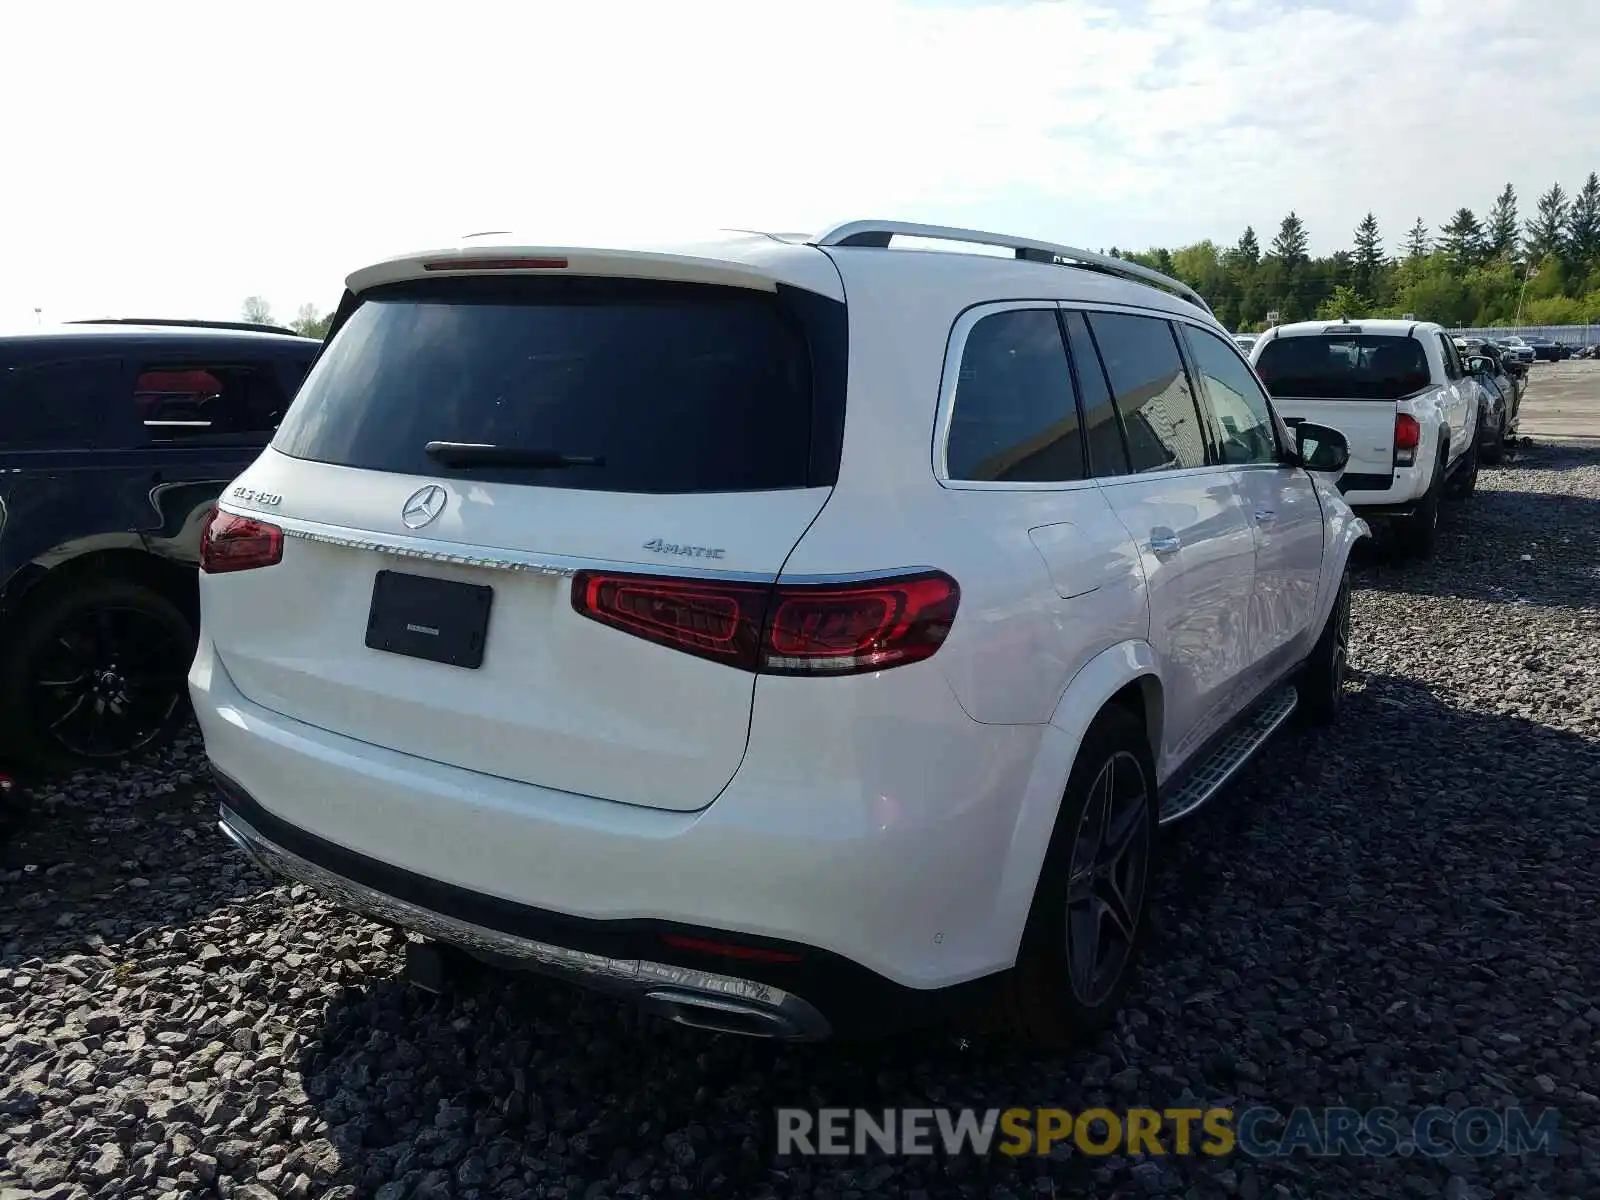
[1015,418]
[668,388]
[1344,367]
[208,402]
[1152,390]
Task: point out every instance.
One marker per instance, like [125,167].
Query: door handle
[1164,543]
[1265,515]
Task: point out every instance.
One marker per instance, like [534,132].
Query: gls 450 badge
[251,496]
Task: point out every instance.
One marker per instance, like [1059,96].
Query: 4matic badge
[658,546]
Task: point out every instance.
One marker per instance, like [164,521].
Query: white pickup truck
[1399,393]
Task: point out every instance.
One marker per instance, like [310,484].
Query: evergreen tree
[1368,259]
[1291,243]
[1500,232]
[1547,231]
[1417,244]
[1462,240]
[1583,226]
[1248,252]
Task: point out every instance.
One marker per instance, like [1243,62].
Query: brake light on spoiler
[779,629]
[468,262]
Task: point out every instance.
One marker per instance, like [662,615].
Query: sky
[168,158]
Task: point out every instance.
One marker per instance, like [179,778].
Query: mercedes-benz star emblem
[424,506]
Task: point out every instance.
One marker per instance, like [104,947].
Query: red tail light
[1407,437]
[470,263]
[783,629]
[1407,432]
[230,543]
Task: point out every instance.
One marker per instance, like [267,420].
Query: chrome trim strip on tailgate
[636,977]
[461,554]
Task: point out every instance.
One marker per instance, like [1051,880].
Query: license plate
[439,620]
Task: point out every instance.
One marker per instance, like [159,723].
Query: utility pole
[1531,272]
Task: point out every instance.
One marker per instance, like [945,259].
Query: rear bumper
[783,995]
[886,880]
[1376,495]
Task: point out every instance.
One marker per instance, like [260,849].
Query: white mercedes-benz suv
[790,633]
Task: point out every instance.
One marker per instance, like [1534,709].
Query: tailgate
[1368,425]
[459,452]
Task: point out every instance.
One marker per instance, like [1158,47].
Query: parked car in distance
[1503,391]
[115,437]
[1402,397]
[1518,350]
[1244,341]
[561,698]
[1546,349]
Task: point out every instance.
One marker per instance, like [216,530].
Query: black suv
[115,438]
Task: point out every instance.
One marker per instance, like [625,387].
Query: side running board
[1236,749]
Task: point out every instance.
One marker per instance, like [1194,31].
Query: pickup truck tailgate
[1368,425]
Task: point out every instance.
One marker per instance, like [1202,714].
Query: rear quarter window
[65,404]
[676,388]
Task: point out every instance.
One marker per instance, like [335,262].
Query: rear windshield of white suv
[637,387]
[1344,367]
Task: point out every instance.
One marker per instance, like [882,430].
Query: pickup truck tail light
[779,629]
[1407,437]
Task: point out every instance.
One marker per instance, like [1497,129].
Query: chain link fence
[1570,335]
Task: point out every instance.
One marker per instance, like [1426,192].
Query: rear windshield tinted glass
[1345,367]
[674,388]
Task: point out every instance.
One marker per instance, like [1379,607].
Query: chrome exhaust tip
[720,1015]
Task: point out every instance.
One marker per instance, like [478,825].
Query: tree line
[309,321]
[1497,270]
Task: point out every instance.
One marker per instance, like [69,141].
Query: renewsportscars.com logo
[1260,1132]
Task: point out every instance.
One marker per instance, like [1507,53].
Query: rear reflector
[471,263]
[679,941]
[782,629]
[233,543]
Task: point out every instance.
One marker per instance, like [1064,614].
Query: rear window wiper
[478,454]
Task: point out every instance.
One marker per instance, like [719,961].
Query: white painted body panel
[560,701]
[1291,543]
[1199,593]
[898,818]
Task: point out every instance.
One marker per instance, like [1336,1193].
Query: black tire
[1418,534]
[95,673]
[1040,1001]
[1321,680]
[1493,452]
[1465,480]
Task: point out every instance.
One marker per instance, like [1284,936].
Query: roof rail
[181,323]
[879,233]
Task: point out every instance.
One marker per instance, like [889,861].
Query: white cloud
[171,157]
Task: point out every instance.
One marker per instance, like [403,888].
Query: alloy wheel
[1107,876]
[107,682]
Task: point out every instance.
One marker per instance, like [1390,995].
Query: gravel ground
[1402,910]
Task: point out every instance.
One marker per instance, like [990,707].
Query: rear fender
[1101,678]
